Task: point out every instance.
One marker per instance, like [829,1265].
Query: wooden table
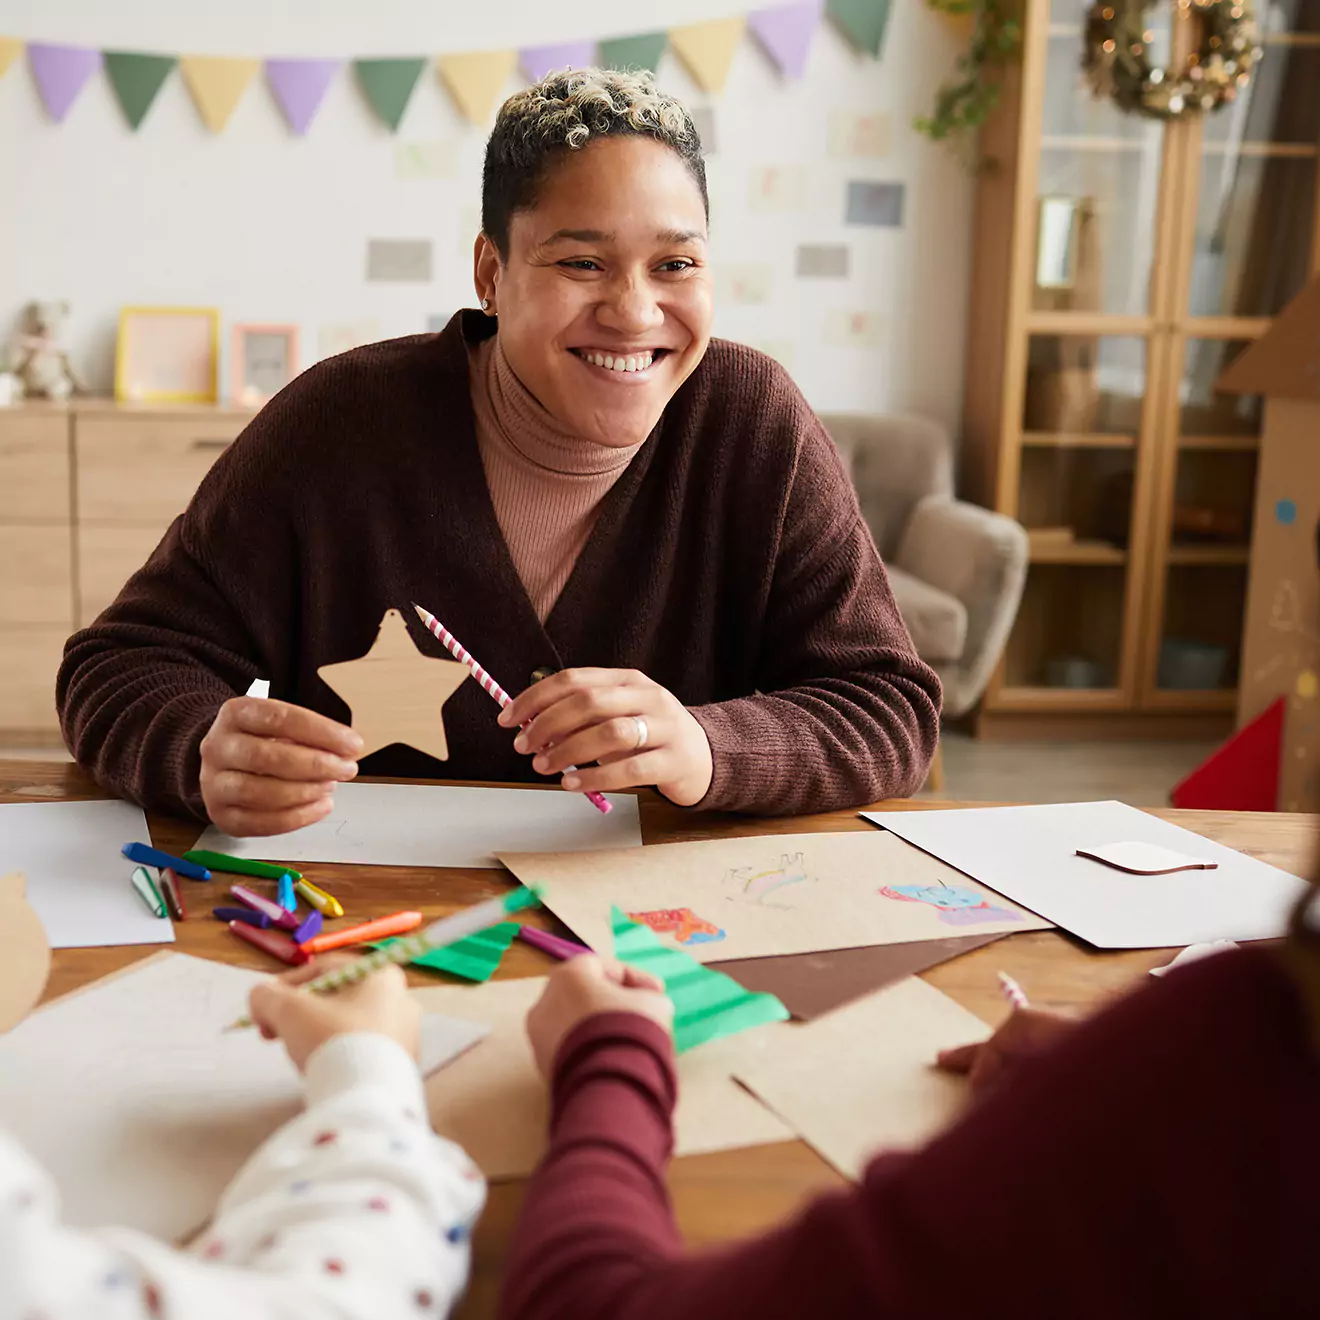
[719,1196]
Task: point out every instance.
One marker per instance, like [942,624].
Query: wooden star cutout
[395,692]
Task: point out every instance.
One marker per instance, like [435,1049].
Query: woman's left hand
[639,732]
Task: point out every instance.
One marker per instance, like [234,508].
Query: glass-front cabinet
[1137,257]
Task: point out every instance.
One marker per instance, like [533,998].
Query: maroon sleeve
[1154,1163]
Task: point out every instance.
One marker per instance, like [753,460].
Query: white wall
[270,227]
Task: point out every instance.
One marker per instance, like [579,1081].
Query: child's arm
[354,1209]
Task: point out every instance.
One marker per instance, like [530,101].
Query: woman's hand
[1025,1032]
[269,767]
[305,1021]
[639,732]
[581,988]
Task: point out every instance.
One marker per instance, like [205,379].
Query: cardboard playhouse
[1280,679]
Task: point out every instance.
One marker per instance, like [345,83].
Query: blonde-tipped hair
[567,111]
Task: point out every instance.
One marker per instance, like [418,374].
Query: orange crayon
[397,923]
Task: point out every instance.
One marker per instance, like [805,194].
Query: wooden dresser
[87,489]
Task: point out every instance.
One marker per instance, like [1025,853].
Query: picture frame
[168,355]
[1058,230]
[263,359]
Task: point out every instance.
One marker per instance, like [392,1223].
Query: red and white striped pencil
[1012,991]
[460,652]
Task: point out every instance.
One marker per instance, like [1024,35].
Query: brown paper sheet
[765,896]
[809,984]
[860,1081]
[493,1102]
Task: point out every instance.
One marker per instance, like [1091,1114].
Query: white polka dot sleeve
[354,1209]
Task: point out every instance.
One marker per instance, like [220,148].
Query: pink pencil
[555,945]
[460,652]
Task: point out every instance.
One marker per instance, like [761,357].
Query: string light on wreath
[1117,59]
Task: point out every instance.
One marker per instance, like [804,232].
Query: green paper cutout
[388,86]
[474,958]
[137,79]
[707,1004]
[863,22]
[640,52]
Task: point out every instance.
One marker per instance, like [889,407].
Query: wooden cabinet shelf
[1082,440]
[1076,552]
[87,489]
[1121,264]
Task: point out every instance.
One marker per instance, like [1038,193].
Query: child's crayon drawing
[957,906]
[758,885]
[682,923]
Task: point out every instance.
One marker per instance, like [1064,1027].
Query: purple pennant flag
[786,32]
[299,87]
[537,61]
[61,72]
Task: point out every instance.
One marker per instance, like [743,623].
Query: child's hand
[587,985]
[304,1021]
[1025,1032]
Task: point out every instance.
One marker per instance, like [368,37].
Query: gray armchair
[957,570]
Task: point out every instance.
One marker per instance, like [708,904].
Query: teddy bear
[40,362]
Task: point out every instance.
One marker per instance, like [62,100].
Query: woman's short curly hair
[566,111]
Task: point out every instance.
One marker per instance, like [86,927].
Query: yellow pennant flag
[10,49]
[476,79]
[217,84]
[707,49]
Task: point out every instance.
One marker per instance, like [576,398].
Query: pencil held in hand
[460,652]
[438,935]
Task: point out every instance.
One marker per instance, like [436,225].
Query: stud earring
[485,304]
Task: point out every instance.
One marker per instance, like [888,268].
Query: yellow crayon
[326,904]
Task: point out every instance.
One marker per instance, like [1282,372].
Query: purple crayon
[250,916]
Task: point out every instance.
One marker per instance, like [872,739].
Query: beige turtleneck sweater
[546,483]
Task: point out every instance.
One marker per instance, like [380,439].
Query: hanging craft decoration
[61,72]
[707,49]
[536,62]
[388,86]
[300,86]
[785,32]
[1117,57]
[475,79]
[137,80]
[10,49]
[217,84]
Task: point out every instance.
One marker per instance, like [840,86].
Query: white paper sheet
[441,825]
[141,1106]
[77,878]
[1028,854]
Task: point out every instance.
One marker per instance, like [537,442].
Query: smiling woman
[649,525]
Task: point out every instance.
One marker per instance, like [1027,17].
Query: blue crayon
[148,856]
[285,895]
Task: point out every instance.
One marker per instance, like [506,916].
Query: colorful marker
[327,904]
[272,942]
[218,861]
[169,887]
[146,887]
[148,856]
[278,916]
[397,923]
[249,916]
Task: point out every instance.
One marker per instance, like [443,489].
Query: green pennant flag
[474,958]
[707,1004]
[137,79]
[642,52]
[863,22]
[388,85]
